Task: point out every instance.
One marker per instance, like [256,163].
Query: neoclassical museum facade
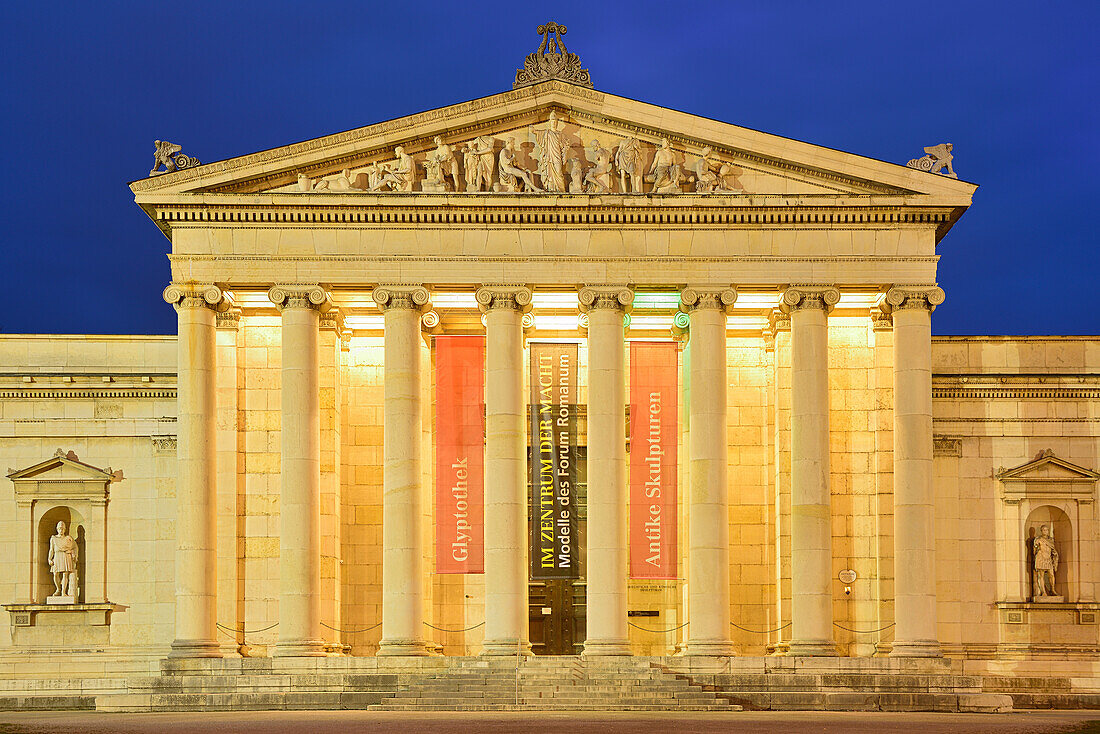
[554,372]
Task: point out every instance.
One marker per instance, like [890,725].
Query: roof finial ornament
[936,157]
[552,61]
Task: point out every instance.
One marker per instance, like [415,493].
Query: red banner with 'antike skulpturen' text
[654,412]
[459,454]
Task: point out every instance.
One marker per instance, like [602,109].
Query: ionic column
[196,472]
[402,550]
[708,493]
[300,485]
[607,632]
[506,616]
[914,498]
[811,518]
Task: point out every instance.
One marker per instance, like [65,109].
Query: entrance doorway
[557,614]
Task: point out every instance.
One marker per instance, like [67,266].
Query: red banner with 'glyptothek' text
[459,454]
[654,412]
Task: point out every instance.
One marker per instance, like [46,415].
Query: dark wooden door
[557,613]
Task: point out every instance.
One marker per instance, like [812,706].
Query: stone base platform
[547,684]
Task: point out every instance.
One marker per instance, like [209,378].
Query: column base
[709,648]
[502,648]
[812,648]
[916,649]
[596,648]
[195,649]
[405,648]
[299,649]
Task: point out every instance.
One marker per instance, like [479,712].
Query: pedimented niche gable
[1049,476]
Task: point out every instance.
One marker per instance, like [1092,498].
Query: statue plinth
[59,599]
[1048,600]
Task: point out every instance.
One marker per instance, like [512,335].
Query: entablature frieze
[569,211]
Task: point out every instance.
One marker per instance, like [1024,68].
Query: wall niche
[62,504]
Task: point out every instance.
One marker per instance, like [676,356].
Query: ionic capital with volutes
[719,298]
[410,297]
[617,297]
[198,295]
[300,296]
[798,297]
[511,297]
[914,296]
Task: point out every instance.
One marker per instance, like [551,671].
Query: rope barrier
[658,632]
[247,632]
[864,632]
[760,632]
[467,629]
[351,632]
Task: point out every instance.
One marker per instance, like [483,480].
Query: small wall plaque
[1015,617]
[643,613]
[847,576]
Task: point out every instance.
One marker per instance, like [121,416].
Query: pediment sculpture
[549,160]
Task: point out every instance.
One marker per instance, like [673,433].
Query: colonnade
[506,594]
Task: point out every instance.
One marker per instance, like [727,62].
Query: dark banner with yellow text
[459,454]
[553,461]
[653,425]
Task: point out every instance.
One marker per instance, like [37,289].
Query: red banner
[459,454]
[654,411]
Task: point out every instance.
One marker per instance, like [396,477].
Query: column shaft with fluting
[914,498]
[196,479]
[708,493]
[506,611]
[607,562]
[300,482]
[403,619]
[811,517]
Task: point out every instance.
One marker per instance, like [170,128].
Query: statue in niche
[935,158]
[628,159]
[664,173]
[576,174]
[550,150]
[399,174]
[62,561]
[598,178]
[510,173]
[1044,565]
[438,164]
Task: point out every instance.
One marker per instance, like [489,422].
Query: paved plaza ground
[348,722]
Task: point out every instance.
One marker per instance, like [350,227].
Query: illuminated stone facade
[849,485]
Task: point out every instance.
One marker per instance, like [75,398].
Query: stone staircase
[566,683]
[845,684]
[552,684]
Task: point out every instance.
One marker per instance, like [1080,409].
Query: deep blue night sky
[88,87]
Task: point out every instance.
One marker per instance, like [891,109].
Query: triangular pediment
[1049,468]
[62,466]
[748,162]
